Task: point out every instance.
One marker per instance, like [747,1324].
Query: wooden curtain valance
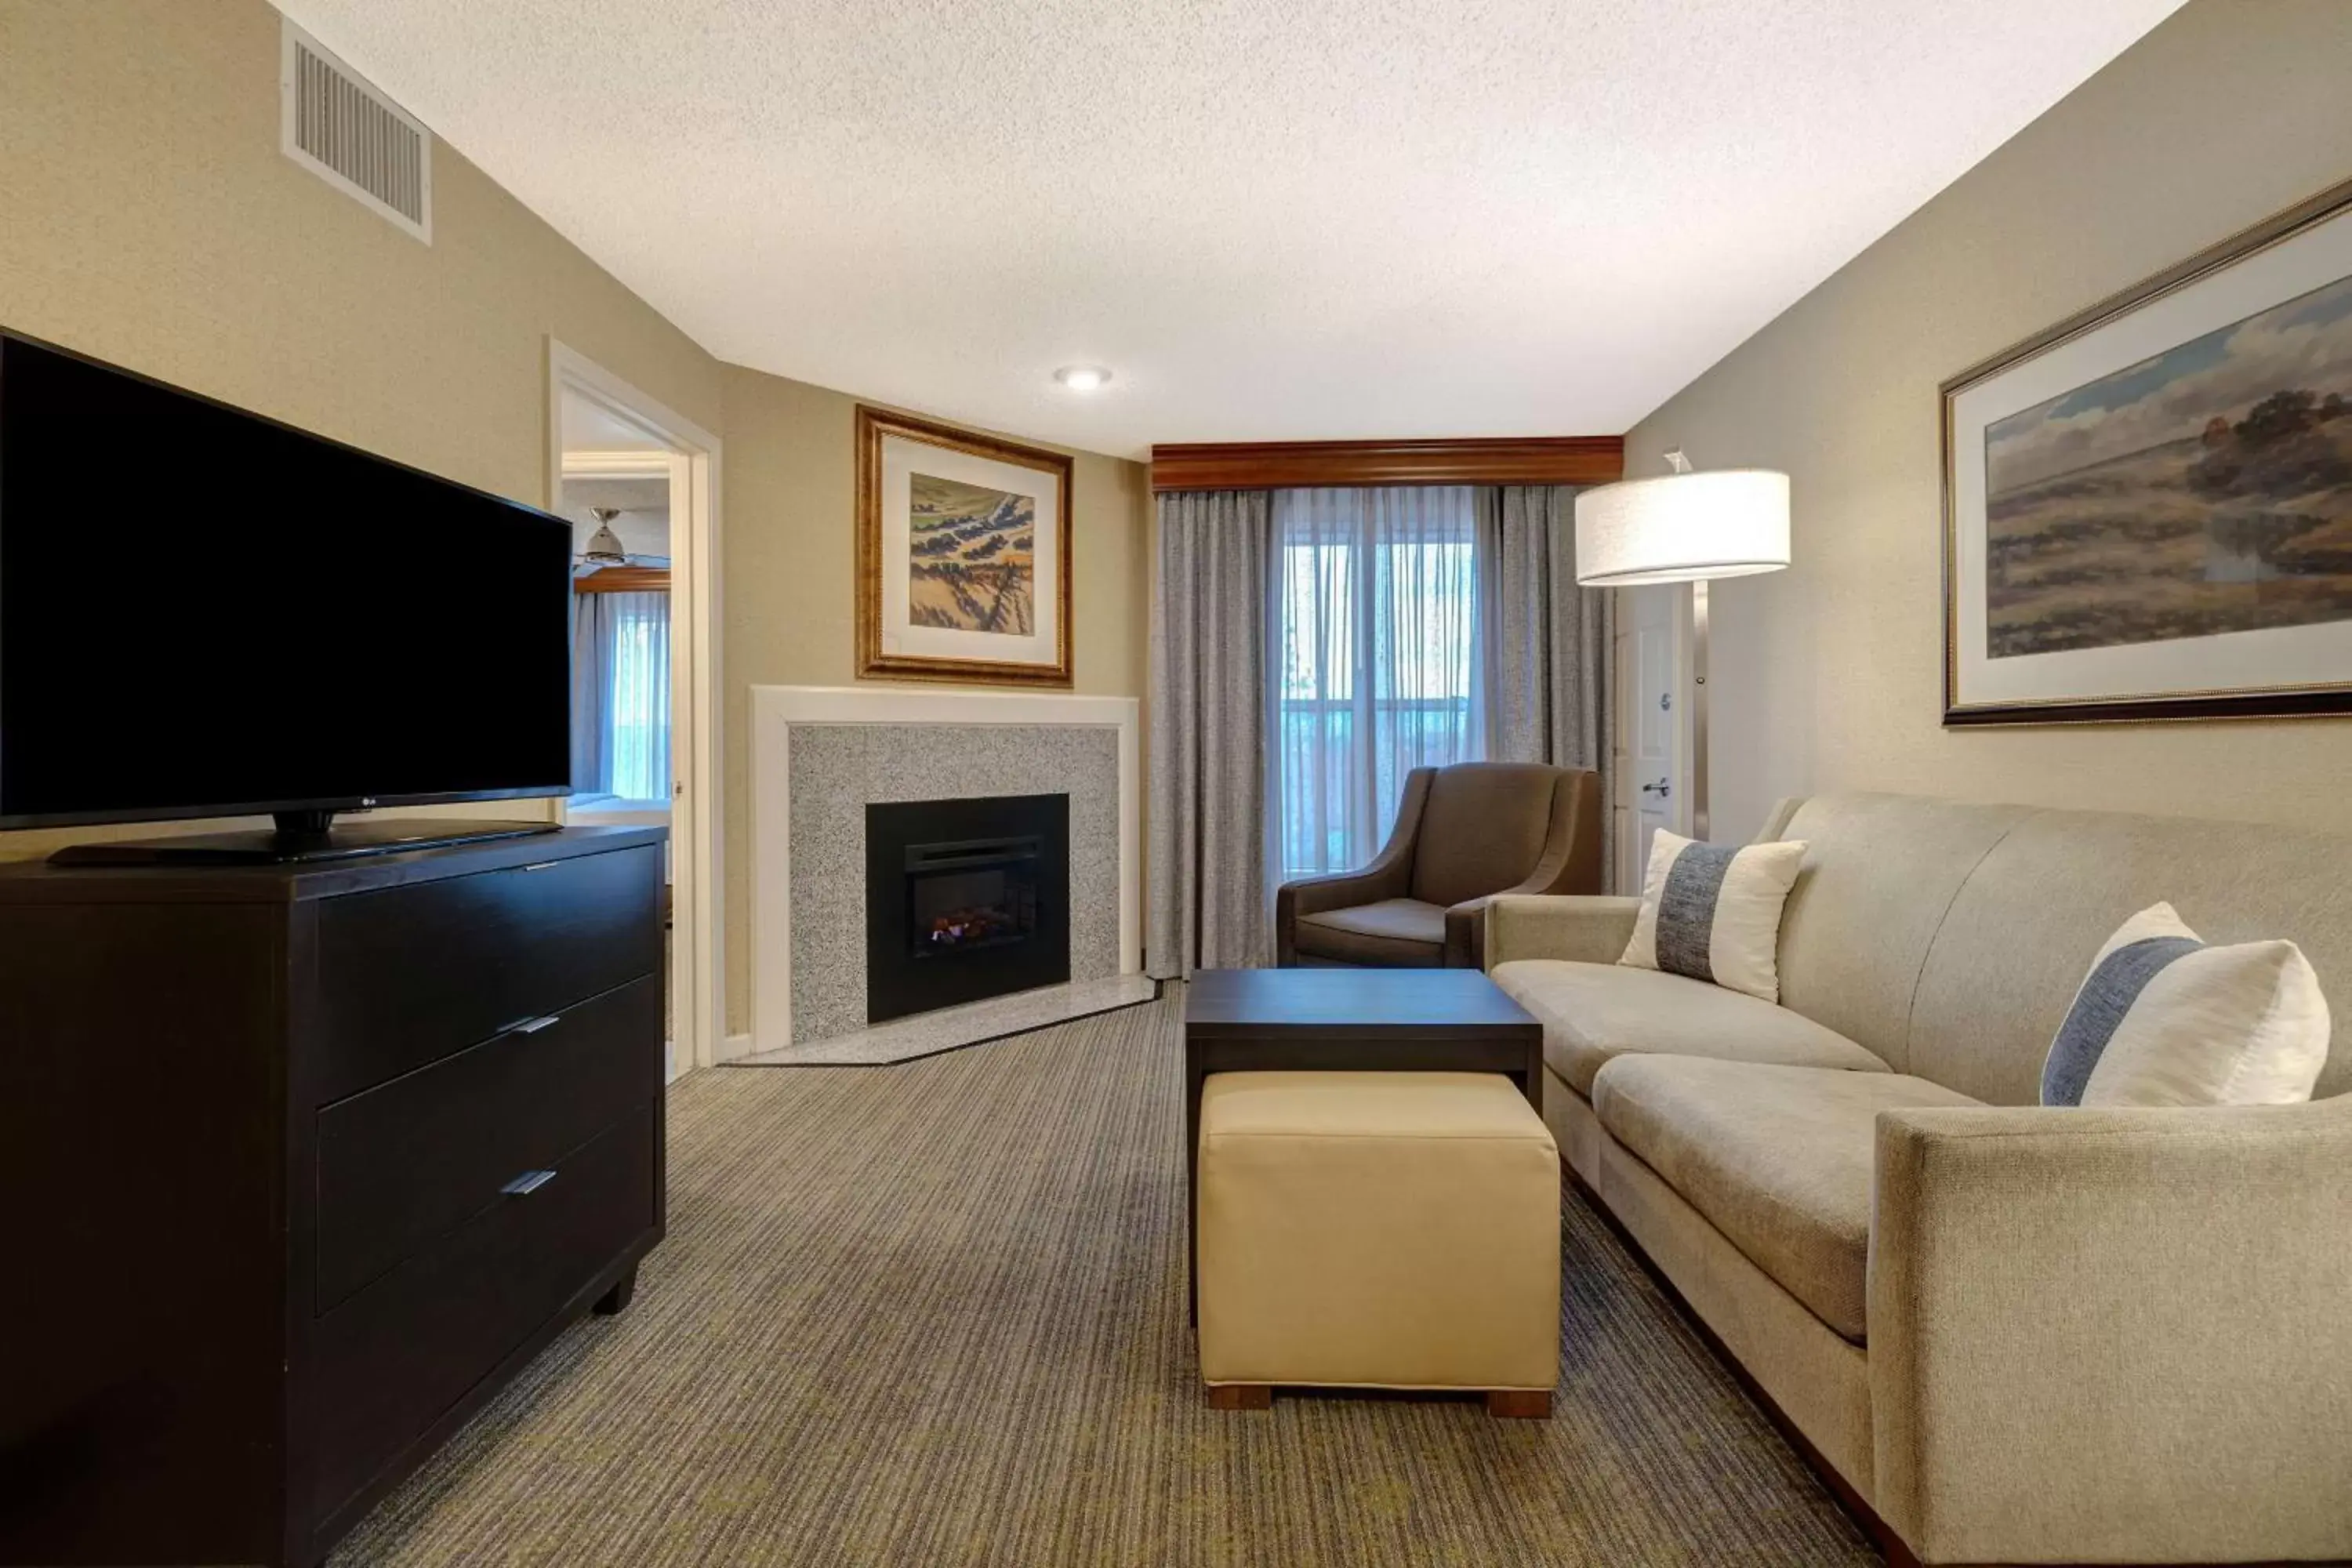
[1479,460]
[623,580]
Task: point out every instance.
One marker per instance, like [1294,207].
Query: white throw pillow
[1713,912]
[2163,1019]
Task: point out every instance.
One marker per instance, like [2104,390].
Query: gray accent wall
[838,769]
[1827,678]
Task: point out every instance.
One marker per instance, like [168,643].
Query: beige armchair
[1463,835]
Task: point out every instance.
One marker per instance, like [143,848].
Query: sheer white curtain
[636,702]
[620,695]
[1379,666]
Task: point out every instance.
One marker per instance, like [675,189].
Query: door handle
[529,1181]
[533,1025]
[1661,789]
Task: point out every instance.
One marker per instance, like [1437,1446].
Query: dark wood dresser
[300,1165]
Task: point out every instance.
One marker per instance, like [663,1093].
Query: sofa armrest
[2113,1335]
[1592,930]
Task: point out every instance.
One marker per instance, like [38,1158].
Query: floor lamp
[1684,527]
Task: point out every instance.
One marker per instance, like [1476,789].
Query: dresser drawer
[393,1359]
[410,974]
[412,1161]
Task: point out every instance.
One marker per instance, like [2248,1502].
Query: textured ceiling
[1271,218]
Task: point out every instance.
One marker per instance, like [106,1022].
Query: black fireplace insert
[964,899]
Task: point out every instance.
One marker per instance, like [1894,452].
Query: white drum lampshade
[1683,528]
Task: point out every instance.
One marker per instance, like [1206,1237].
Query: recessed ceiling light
[1083,377]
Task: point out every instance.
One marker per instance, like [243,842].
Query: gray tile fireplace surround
[838,769]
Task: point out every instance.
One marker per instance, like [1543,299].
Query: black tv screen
[204,613]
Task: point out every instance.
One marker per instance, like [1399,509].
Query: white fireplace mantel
[776,710]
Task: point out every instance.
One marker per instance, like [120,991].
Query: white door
[1655,790]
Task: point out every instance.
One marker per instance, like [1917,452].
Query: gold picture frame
[963,556]
[2096,609]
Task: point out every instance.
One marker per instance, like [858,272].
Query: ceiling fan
[605,547]
[605,551]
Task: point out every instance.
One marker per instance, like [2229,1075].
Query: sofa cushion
[2164,1020]
[1392,931]
[2012,948]
[1778,1158]
[1712,912]
[1880,871]
[1592,1012]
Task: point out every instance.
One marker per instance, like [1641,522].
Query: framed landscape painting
[2149,508]
[963,556]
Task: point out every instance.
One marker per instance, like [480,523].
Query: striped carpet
[933,1314]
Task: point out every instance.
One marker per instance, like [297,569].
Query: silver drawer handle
[530,1026]
[529,1181]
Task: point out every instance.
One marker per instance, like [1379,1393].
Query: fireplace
[964,899]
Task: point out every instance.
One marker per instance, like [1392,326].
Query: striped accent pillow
[1713,912]
[2163,1019]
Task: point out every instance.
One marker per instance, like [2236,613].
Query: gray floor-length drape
[1208,673]
[1549,642]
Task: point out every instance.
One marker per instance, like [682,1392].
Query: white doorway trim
[699,938]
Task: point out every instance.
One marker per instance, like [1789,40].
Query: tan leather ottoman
[1378,1230]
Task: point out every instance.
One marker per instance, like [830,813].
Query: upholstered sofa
[1463,834]
[2017,1334]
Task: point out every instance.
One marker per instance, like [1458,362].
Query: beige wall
[1828,675]
[152,220]
[148,218]
[790,497]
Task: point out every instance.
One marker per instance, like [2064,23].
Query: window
[637,715]
[1379,669]
[620,710]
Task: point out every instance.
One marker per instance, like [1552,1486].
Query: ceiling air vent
[342,130]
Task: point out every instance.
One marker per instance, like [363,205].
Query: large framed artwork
[963,556]
[2149,508]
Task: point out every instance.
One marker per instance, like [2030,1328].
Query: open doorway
[637,484]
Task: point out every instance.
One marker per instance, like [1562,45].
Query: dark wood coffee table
[1347,1020]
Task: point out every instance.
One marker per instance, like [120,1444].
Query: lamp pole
[1698,710]
[1682,465]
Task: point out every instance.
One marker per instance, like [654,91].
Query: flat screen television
[205,612]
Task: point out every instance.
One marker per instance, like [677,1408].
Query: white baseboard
[735,1046]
